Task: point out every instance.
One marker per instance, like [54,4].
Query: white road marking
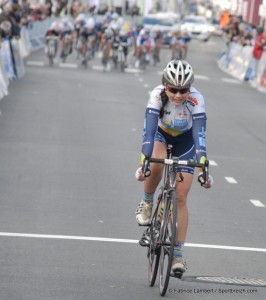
[127,70]
[66,237]
[202,77]
[213,163]
[61,65]
[35,63]
[230,80]
[67,65]
[99,239]
[133,70]
[145,85]
[230,179]
[257,203]
[98,68]
[225,247]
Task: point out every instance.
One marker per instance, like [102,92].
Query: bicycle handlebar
[203,178]
[176,161]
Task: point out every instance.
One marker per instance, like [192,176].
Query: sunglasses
[175,91]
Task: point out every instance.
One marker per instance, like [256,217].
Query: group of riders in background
[112,39]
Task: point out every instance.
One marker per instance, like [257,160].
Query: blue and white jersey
[176,120]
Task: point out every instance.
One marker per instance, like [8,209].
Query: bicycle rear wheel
[168,237]
[153,253]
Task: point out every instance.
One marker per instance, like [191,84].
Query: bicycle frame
[164,219]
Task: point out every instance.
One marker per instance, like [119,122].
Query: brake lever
[146,169]
[203,178]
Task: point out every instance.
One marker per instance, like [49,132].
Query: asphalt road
[70,143]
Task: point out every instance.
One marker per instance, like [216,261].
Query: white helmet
[122,33]
[90,23]
[178,73]
[108,33]
[115,27]
[115,16]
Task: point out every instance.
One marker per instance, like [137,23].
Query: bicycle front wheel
[153,253]
[168,238]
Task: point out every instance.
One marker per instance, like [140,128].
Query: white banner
[6,60]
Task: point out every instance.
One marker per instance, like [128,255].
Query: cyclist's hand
[207,184]
[139,174]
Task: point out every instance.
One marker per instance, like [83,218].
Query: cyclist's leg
[179,264]
[144,209]
[182,192]
[139,51]
[84,49]
[184,150]
[62,46]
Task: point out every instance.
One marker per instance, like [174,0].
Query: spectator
[224,19]
[258,48]
[260,43]
[11,13]
[232,29]
[246,37]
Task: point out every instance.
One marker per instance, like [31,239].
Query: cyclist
[54,32]
[121,40]
[179,44]
[66,31]
[184,39]
[88,36]
[144,45]
[106,46]
[158,41]
[175,114]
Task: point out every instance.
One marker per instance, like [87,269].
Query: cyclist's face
[177,96]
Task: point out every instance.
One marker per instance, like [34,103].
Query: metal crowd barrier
[13,51]
[239,62]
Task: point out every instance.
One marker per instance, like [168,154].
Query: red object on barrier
[263,80]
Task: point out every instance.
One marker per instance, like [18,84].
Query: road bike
[51,48]
[88,47]
[155,55]
[119,58]
[160,236]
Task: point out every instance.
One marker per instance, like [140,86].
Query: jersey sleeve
[151,123]
[199,135]
[199,119]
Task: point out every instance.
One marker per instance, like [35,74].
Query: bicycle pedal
[144,243]
[177,274]
[148,225]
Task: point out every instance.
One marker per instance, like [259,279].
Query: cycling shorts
[183,147]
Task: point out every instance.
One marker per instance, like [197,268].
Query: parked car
[163,22]
[198,27]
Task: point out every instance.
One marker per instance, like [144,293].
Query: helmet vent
[172,74]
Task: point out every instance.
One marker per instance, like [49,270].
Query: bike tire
[153,253]
[142,64]
[122,66]
[51,60]
[168,238]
